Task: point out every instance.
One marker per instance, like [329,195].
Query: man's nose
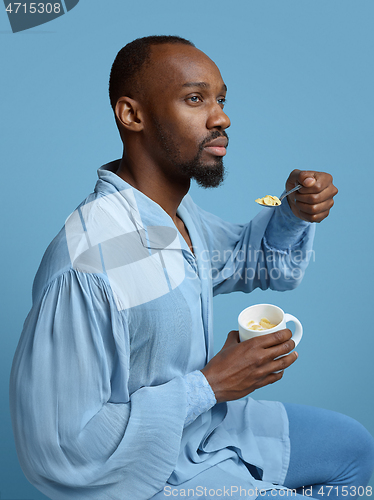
[218,119]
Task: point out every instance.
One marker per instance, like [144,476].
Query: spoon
[296,188]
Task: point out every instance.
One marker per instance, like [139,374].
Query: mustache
[214,135]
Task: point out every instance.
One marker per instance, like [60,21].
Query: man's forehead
[180,64]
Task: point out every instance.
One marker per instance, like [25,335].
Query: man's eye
[195,99]
[222,101]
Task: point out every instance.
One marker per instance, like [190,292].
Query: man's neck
[155,184]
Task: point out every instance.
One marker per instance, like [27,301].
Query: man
[115,392]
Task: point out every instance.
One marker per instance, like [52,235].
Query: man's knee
[359,448]
[364,444]
[330,437]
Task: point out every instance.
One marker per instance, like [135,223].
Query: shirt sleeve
[75,439]
[285,230]
[271,251]
[200,395]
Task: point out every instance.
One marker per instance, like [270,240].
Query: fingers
[306,178]
[271,339]
[241,367]
[273,371]
[269,354]
[311,197]
[311,180]
[284,362]
[314,200]
[276,366]
[312,212]
[268,347]
[269,379]
[306,208]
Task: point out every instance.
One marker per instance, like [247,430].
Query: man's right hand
[240,368]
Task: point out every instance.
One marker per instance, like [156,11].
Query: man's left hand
[314,200]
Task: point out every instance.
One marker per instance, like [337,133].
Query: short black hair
[130,60]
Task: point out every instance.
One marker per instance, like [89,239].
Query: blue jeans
[332,455]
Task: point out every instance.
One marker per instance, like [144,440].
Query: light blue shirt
[107,398]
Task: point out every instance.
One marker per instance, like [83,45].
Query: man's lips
[217,146]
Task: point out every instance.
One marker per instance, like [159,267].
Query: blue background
[300,75]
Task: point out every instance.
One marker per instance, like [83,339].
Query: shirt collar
[146,213]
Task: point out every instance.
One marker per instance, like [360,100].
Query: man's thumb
[232,338]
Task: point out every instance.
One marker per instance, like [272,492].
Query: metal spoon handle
[290,191]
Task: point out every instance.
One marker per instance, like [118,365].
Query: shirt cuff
[200,396]
[284,230]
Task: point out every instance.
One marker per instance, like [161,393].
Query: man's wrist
[285,230]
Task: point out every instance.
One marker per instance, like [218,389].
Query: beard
[207,176]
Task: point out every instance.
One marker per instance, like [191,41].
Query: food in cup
[263,324]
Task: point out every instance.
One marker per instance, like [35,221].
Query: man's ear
[128,114]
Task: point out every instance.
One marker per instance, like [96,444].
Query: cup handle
[296,337]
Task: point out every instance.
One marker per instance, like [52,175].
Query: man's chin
[210,177]
[207,175]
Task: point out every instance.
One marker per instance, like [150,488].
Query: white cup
[274,314]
